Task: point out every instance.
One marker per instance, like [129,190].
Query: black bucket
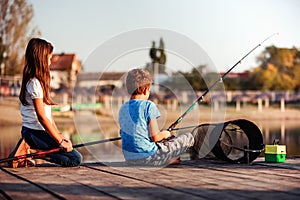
[235,141]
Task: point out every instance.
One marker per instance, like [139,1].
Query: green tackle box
[275,153]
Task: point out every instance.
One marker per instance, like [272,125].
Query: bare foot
[174,161]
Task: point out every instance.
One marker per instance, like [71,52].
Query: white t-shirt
[29,118]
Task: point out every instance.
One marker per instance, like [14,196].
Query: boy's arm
[155,133]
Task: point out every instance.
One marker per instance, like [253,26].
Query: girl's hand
[66,144]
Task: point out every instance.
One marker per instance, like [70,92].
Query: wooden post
[282,131]
[267,102]
[168,102]
[106,102]
[65,97]
[184,97]
[174,104]
[216,105]
[238,105]
[282,104]
[229,96]
[259,104]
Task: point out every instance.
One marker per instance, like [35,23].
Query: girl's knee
[76,160]
[71,159]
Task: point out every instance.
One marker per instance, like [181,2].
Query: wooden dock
[192,179]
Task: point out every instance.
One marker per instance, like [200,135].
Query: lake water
[287,131]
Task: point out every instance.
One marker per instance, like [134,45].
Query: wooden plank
[201,179]
[79,179]
[168,178]
[52,179]
[255,180]
[15,188]
[290,163]
[127,187]
[214,178]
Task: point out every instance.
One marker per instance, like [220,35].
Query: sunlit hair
[36,65]
[137,81]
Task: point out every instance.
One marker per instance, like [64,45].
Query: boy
[142,141]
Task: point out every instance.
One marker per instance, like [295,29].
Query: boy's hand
[166,134]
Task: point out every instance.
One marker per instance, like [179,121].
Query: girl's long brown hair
[36,65]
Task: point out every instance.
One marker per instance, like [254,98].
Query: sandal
[23,163]
[21,148]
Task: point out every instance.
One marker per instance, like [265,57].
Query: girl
[38,128]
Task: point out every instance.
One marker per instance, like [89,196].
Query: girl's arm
[155,133]
[49,127]
[54,125]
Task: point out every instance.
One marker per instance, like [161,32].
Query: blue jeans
[41,140]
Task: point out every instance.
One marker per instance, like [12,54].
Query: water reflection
[287,131]
[9,137]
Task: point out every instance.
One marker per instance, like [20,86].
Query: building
[63,70]
[100,79]
[93,87]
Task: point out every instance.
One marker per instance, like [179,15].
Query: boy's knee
[187,139]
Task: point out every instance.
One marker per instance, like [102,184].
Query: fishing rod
[39,153]
[96,142]
[200,99]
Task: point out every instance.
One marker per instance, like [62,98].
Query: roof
[237,74]
[62,61]
[89,76]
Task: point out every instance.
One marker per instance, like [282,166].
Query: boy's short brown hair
[137,81]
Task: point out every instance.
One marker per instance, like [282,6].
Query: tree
[194,78]
[16,30]
[279,70]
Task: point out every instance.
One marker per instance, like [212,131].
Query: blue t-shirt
[134,117]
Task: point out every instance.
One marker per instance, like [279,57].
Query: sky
[112,35]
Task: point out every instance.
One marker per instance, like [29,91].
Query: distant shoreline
[10,114]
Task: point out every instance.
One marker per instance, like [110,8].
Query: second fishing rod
[200,98]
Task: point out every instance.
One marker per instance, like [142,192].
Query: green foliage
[195,79]
[233,83]
[279,70]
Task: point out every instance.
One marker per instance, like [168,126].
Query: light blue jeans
[41,140]
[167,150]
